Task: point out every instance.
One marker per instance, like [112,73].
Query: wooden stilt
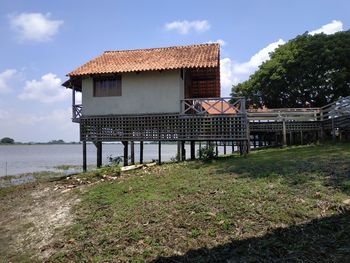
[99,154]
[159,152]
[240,148]
[179,151]
[125,143]
[84,157]
[216,148]
[132,152]
[224,148]
[301,138]
[233,146]
[284,133]
[254,141]
[333,129]
[141,152]
[183,151]
[193,150]
[260,140]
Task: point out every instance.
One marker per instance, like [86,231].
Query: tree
[7,140]
[307,71]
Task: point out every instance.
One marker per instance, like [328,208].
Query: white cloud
[184,27]
[48,89]
[35,26]
[330,28]
[232,72]
[219,41]
[29,126]
[257,59]
[5,78]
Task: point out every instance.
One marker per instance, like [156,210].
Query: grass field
[289,204]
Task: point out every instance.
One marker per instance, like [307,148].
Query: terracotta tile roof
[193,56]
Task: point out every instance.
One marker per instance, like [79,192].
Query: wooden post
[291,139]
[159,152]
[233,146]
[333,129]
[259,140]
[240,148]
[132,152]
[254,141]
[84,157]
[73,102]
[216,148]
[99,154]
[183,151]
[193,150]
[301,138]
[179,151]
[224,148]
[322,132]
[141,152]
[284,133]
[125,143]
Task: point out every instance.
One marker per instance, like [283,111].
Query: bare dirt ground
[32,218]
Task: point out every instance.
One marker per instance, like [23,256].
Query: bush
[207,153]
[113,170]
[7,140]
[114,160]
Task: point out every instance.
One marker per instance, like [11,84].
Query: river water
[19,159]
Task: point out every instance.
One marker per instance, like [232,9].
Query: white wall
[146,92]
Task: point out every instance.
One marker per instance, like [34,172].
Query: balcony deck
[212,119]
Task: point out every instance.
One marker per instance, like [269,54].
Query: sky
[41,41]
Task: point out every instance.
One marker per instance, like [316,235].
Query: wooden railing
[336,109]
[204,106]
[288,114]
[77,112]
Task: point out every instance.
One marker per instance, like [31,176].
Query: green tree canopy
[7,140]
[306,71]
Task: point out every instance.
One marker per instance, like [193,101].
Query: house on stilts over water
[173,94]
[156,94]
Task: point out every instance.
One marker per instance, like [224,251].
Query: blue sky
[43,40]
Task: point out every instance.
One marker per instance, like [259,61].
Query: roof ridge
[162,48]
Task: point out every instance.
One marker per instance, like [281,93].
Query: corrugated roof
[193,56]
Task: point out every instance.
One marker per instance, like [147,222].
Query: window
[108,86]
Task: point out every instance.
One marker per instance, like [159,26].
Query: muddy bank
[32,217]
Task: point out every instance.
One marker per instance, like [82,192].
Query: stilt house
[157,94]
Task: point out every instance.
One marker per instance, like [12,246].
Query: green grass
[177,207]
[171,210]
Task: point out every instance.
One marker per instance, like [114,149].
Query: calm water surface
[19,159]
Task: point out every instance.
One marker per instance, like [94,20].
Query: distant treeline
[8,140]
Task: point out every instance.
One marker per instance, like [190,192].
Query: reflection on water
[19,159]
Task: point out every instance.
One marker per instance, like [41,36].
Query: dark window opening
[108,86]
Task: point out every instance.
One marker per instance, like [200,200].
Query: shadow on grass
[328,163]
[320,240]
